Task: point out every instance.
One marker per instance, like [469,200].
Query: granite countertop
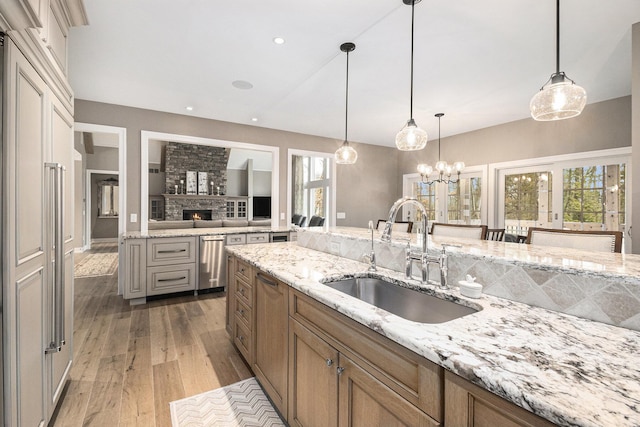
[613,265]
[571,371]
[217,231]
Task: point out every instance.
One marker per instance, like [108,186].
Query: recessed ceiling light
[278,40]
[254,119]
[241,84]
[189,108]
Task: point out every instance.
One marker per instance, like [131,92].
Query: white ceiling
[478,61]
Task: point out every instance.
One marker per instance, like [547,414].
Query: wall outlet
[341,215]
[133,218]
[335,248]
[282,217]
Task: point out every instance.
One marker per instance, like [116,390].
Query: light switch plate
[341,215]
[133,218]
[281,216]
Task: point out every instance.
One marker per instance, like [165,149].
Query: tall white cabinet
[37,149]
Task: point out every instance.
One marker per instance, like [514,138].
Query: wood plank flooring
[130,362]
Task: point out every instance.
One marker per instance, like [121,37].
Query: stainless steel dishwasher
[213,263]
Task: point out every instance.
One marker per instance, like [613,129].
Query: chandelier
[442,168]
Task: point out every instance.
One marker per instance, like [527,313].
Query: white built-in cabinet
[37,270]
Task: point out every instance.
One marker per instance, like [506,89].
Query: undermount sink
[403,302]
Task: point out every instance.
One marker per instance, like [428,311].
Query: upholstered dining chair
[398,226]
[595,241]
[316,221]
[459,230]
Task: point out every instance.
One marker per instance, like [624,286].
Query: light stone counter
[188,232]
[571,371]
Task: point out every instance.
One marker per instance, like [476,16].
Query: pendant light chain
[557,36]
[439,117]
[346,102]
[413,6]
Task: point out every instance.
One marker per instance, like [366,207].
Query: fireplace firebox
[196,214]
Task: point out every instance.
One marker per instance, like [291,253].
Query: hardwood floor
[130,362]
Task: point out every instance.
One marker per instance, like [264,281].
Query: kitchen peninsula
[563,368]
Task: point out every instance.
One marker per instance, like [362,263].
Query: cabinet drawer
[242,340]
[258,238]
[244,270]
[243,293]
[171,278]
[236,239]
[171,250]
[242,313]
[413,377]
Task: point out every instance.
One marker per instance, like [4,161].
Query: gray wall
[600,126]
[365,190]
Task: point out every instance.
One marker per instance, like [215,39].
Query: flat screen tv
[262,206]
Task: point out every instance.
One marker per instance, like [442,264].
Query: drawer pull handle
[172,280]
[329,362]
[172,251]
[266,281]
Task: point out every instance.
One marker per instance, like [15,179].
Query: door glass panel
[594,197]
[527,201]
[463,201]
[310,186]
[426,194]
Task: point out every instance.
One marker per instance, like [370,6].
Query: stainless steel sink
[403,302]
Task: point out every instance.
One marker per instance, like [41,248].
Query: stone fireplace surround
[180,158]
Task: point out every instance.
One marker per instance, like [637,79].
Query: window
[426,194]
[464,201]
[527,201]
[311,183]
[594,197]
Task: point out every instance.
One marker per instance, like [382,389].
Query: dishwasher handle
[212,238]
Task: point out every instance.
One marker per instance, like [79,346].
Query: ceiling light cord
[413,7]
[557,36]
[346,102]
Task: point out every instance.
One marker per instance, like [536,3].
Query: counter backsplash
[600,296]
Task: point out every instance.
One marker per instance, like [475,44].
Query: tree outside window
[527,201]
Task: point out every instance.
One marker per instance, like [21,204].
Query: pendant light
[560,98]
[346,154]
[411,137]
[443,169]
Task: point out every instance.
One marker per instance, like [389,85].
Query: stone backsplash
[589,295]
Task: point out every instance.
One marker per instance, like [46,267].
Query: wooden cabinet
[378,381]
[135,268]
[230,287]
[467,405]
[243,324]
[313,379]
[270,337]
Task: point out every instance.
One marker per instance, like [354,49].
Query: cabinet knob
[340,370]
[241,338]
[241,311]
[329,362]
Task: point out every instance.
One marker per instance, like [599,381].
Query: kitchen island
[565,369]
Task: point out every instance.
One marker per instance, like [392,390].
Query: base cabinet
[270,338]
[467,405]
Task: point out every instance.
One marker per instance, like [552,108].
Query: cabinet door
[367,402]
[231,289]
[135,271]
[313,379]
[271,335]
[61,137]
[26,271]
[468,405]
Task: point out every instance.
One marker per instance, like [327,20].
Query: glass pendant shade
[346,154]
[411,137]
[424,169]
[441,166]
[557,101]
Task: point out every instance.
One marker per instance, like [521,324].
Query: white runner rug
[242,404]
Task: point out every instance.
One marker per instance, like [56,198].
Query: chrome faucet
[371,256]
[410,255]
[442,259]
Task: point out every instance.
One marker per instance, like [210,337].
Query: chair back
[398,226]
[459,230]
[298,220]
[595,241]
[495,234]
[316,221]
